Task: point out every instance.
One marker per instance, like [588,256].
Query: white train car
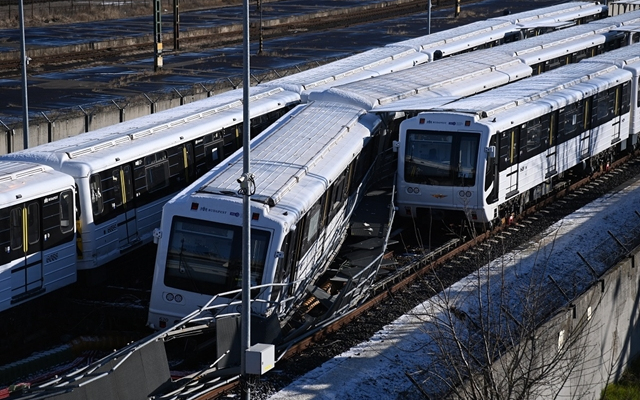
[462,39]
[481,159]
[126,172]
[505,29]
[433,85]
[38,233]
[310,170]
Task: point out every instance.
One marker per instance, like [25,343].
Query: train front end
[199,259]
[442,157]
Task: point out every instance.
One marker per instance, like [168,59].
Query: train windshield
[441,158]
[206,256]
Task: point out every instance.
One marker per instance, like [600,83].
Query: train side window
[553,128]
[189,162]
[623,98]
[338,193]
[15,233]
[66,211]
[533,136]
[156,171]
[508,148]
[568,122]
[490,173]
[117,187]
[312,225]
[95,187]
[33,223]
[587,111]
[127,176]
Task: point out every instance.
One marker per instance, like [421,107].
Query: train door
[551,159]
[585,137]
[508,164]
[26,250]
[123,198]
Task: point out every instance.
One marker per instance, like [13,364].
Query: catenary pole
[245,187]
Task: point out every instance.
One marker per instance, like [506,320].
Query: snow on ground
[376,369]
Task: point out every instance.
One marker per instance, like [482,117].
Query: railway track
[89,320]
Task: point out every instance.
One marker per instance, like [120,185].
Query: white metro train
[124,173]
[310,168]
[176,291]
[482,158]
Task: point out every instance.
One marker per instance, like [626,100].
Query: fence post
[152,103]
[49,127]
[121,109]
[179,95]
[86,119]
[209,92]
[10,132]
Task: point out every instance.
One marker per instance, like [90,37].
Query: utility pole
[457,11]
[176,25]
[157,34]
[260,48]
[429,16]
[25,61]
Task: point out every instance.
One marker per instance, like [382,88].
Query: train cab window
[15,231]
[156,171]
[95,188]
[206,256]
[66,211]
[441,158]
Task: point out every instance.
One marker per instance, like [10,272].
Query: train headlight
[179,298]
[413,190]
[169,296]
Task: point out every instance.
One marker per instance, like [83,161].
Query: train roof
[470,35]
[307,150]
[625,56]
[559,12]
[372,62]
[474,72]
[136,138]
[17,181]
[495,101]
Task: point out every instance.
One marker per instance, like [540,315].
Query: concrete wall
[67,123]
[591,341]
